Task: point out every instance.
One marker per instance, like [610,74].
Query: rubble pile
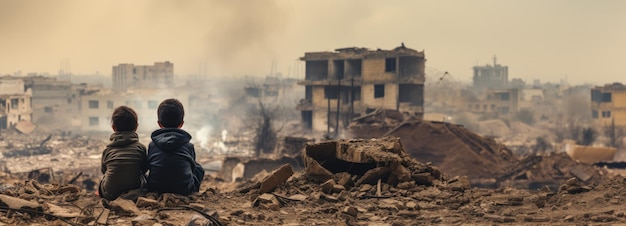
[347,182]
[551,170]
[454,149]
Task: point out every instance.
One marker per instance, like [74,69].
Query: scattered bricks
[124,207]
[17,203]
[276,178]
[147,203]
[327,187]
[349,210]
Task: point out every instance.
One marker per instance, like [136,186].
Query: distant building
[15,102]
[342,84]
[159,75]
[608,105]
[493,76]
[497,102]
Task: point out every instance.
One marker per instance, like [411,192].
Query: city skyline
[579,41]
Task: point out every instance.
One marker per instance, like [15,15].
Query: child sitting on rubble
[171,158]
[124,160]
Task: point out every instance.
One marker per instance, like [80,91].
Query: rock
[406,213]
[298,197]
[372,176]
[365,188]
[460,184]
[124,207]
[147,203]
[411,205]
[173,200]
[572,181]
[344,179]
[267,201]
[17,203]
[406,185]
[338,188]
[276,178]
[327,187]
[69,188]
[423,178]
[349,210]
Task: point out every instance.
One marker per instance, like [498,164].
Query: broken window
[316,70]
[411,93]
[338,72]
[353,68]
[390,64]
[606,114]
[152,104]
[596,96]
[379,91]
[409,66]
[14,103]
[94,121]
[356,93]
[93,104]
[110,104]
[606,97]
[594,114]
[331,92]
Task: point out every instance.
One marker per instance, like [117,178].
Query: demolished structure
[342,84]
[15,102]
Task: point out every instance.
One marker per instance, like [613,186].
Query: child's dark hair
[124,119]
[171,113]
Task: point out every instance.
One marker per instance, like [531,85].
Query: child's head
[171,114]
[124,119]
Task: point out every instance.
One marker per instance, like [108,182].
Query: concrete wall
[617,107]
[16,113]
[374,70]
[11,86]
[388,101]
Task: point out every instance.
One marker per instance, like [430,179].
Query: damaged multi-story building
[608,105]
[494,76]
[342,84]
[159,75]
[15,102]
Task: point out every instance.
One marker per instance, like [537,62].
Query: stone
[267,201]
[173,200]
[298,197]
[411,205]
[344,179]
[407,213]
[327,187]
[124,207]
[147,203]
[365,188]
[461,184]
[276,178]
[349,210]
[423,178]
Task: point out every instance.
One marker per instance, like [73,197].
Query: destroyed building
[608,104]
[342,84]
[494,76]
[159,75]
[497,102]
[15,102]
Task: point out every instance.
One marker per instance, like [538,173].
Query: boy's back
[171,160]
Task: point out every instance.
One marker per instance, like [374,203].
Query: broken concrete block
[350,210]
[423,178]
[459,184]
[267,200]
[147,203]
[298,197]
[17,203]
[62,211]
[124,207]
[276,178]
[344,179]
[327,187]
[338,188]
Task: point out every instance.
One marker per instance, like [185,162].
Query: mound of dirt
[454,149]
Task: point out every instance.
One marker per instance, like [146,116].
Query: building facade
[493,76]
[342,84]
[15,102]
[608,105]
[497,102]
[159,75]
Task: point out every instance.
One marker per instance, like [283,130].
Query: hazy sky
[583,41]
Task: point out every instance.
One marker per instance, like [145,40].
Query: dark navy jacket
[172,163]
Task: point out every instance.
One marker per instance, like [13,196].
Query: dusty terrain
[377,183]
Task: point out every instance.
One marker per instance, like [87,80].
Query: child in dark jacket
[124,160]
[171,158]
